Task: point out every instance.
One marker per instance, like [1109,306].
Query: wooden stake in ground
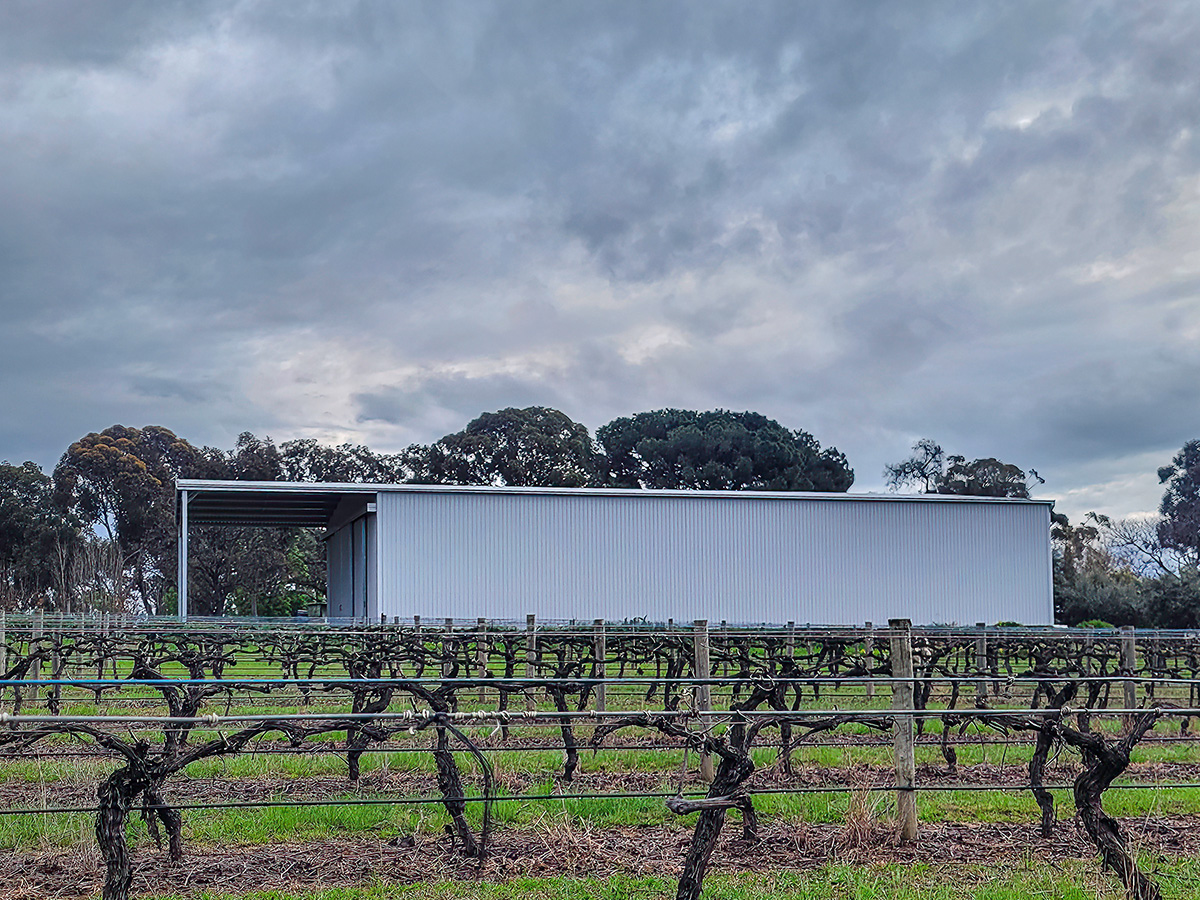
[902,699]
[530,658]
[1129,667]
[981,661]
[703,692]
[601,673]
[868,654]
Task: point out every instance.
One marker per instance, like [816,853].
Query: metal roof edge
[286,487]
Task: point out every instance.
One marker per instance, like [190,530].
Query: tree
[252,459]
[1136,543]
[122,480]
[1090,582]
[718,450]
[935,473]
[248,570]
[1073,544]
[985,478]
[234,569]
[307,460]
[1180,507]
[37,541]
[925,467]
[533,446]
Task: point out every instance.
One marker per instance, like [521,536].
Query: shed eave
[287,487]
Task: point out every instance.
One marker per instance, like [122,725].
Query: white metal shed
[747,557]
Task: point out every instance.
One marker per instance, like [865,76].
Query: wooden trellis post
[1155,666]
[56,670]
[981,661]
[481,655]
[868,652]
[703,692]
[35,671]
[1129,664]
[902,699]
[601,653]
[530,656]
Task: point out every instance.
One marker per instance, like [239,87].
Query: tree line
[98,533]
[1142,571]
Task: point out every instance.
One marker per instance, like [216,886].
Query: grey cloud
[82,32]
[427,185]
[173,389]
[444,400]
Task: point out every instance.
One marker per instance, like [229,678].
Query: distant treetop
[931,470]
[536,446]
[718,450]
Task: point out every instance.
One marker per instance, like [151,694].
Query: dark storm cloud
[372,221]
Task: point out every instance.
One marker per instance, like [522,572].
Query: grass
[278,824]
[1070,880]
[275,824]
[546,762]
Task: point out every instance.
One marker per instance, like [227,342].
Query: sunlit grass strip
[327,818]
[1066,880]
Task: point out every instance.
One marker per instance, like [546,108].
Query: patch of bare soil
[553,848]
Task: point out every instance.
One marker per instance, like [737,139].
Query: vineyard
[132,743]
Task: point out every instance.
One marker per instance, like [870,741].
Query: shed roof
[312,504]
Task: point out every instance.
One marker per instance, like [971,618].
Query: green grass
[282,824]
[545,763]
[1068,880]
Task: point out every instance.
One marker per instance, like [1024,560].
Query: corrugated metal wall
[741,559]
[352,570]
[340,572]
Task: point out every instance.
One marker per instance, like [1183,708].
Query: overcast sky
[977,222]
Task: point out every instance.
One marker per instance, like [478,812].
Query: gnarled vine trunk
[1103,763]
[117,794]
[453,798]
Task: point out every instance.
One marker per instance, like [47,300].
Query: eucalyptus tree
[37,541]
[1180,507]
[121,481]
[932,471]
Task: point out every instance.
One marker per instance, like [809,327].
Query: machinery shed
[500,553]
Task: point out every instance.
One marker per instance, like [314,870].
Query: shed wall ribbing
[738,558]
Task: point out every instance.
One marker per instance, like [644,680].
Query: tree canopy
[101,533]
[122,480]
[1180,507]
[532,446]
[718,450]
[36,539]
[308,460]
[931,470]
[117,478]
